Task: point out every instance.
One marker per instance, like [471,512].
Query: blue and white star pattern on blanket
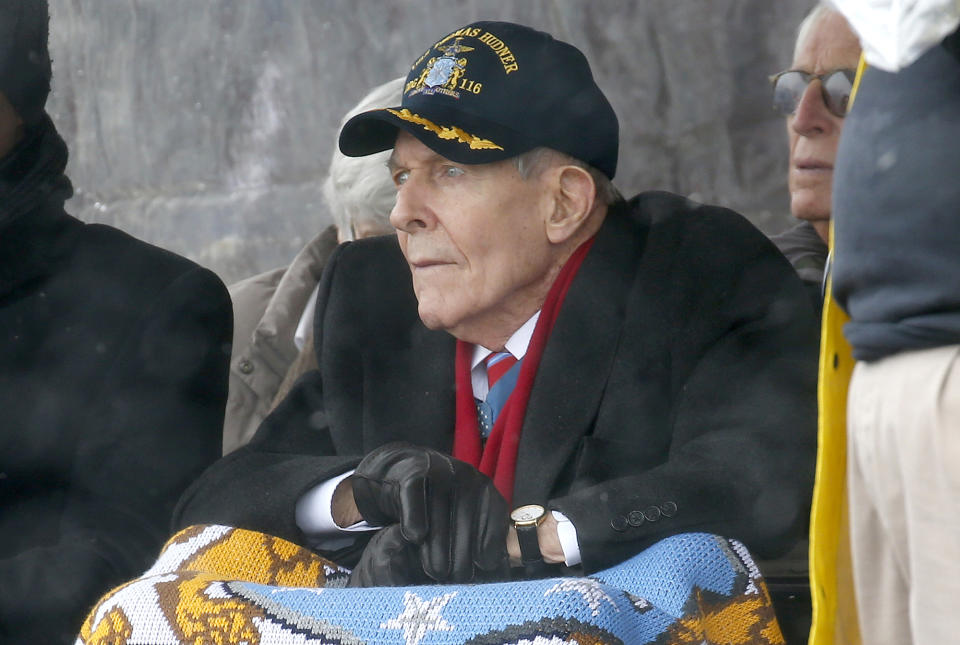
[590,590]
[419,617]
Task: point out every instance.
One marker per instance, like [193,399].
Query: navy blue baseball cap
[491,91]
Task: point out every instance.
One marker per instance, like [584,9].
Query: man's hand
[388,561]
[447,507]
[548,538]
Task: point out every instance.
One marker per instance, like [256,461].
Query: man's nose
[412,213]
[812,116]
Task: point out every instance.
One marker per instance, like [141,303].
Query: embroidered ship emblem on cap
[442,75]
[441,72]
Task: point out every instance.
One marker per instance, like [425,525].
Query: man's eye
[452,171]
[401,177]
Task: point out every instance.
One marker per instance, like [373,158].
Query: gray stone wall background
[206,126]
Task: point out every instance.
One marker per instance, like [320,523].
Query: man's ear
[575,193]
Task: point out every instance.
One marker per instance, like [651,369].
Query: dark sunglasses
[835,87]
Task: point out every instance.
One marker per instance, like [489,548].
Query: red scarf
[498,459]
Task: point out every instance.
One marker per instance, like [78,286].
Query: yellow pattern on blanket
[189,600]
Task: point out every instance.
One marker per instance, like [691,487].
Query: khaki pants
[903,477]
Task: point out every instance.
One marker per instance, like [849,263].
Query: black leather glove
[388,561]
[446,507]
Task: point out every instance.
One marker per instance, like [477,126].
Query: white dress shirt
[305,324]
[314,514]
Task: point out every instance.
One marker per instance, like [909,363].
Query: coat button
[669,509]
[246,365]
[635,518]
[652,514]
[619,523]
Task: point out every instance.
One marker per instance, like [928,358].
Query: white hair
[819,11]
[359,189]
[533,161]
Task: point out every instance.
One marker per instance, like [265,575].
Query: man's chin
[457,327]
[431,323]
[810,210]
[432,319]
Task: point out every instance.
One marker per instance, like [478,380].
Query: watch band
[526,519]
[529,544]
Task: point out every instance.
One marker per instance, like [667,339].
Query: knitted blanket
[217,584]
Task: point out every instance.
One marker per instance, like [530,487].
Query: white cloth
[314,513]
[895,33]
[569,543]
[305,325]
[314,516]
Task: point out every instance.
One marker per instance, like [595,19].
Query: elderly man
[615,372]
[813,95]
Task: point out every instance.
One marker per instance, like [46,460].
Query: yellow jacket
[831,572]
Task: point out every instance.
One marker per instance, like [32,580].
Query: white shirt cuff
[314,513]
[567,533]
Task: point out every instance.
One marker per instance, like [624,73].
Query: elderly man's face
[474,238]
[813,131]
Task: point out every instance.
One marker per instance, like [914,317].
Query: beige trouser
[903,477]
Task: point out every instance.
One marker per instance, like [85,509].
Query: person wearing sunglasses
[813,94]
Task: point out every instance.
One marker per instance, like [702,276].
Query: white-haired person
[273,311]
[813,94]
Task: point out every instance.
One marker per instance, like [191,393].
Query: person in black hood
[113,371]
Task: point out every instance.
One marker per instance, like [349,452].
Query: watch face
[528,513]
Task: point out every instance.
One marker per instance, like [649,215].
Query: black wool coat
[113,379]
[676,391]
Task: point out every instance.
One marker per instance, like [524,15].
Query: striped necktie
[502,372]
